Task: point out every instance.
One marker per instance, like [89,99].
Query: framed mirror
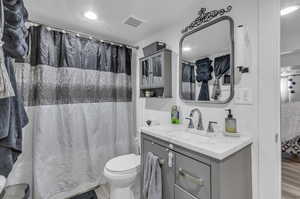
[207,62]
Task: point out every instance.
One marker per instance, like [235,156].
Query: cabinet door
[157,71]
[168,177]
[146,73]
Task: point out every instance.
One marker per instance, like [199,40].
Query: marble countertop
[214,145]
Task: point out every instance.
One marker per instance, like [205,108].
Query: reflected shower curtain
[188,81]
[78,95]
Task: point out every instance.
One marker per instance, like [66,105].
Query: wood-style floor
[290,179]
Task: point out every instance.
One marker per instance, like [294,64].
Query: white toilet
[121,173]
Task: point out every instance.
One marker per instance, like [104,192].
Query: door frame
[269,99]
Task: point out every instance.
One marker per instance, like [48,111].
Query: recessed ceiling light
[186,49]
[288,10]
[90,15]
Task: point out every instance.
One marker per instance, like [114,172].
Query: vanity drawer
[193,177]
[182,194]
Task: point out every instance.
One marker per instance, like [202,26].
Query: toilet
[121,173]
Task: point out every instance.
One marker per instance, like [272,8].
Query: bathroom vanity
[197,166]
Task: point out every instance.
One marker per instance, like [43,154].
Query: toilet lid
[124,163]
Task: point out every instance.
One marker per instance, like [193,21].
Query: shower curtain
[78,95]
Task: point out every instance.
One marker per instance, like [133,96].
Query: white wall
[292,59]
[290,43]
[244,12]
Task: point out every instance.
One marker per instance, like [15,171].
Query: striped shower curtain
[78,96]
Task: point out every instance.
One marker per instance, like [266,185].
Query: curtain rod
[81,34]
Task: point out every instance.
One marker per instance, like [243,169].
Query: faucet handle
[191,124]
[210,128]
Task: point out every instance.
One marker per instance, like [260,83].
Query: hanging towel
[155,186]
[15,32]
[6,89]
[221,66]
[12,115]
[147,173]
[204,69]
[152,188]
[12,119]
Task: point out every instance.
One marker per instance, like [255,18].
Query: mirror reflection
[206,64]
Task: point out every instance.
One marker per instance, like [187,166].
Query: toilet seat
[124,164]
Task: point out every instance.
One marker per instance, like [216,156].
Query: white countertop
[214,145]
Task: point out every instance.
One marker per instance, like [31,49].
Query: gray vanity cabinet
[156,74]
[196,176]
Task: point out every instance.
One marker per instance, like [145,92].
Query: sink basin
[167,129]
[196,132]
[194,135]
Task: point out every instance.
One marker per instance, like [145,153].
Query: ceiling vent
[132,21]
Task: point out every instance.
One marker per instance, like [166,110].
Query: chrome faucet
[191,124]
[200,122]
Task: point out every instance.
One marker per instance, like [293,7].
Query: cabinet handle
[193,179]
[170,159]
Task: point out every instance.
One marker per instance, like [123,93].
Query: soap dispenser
[175,115]
[230,123]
